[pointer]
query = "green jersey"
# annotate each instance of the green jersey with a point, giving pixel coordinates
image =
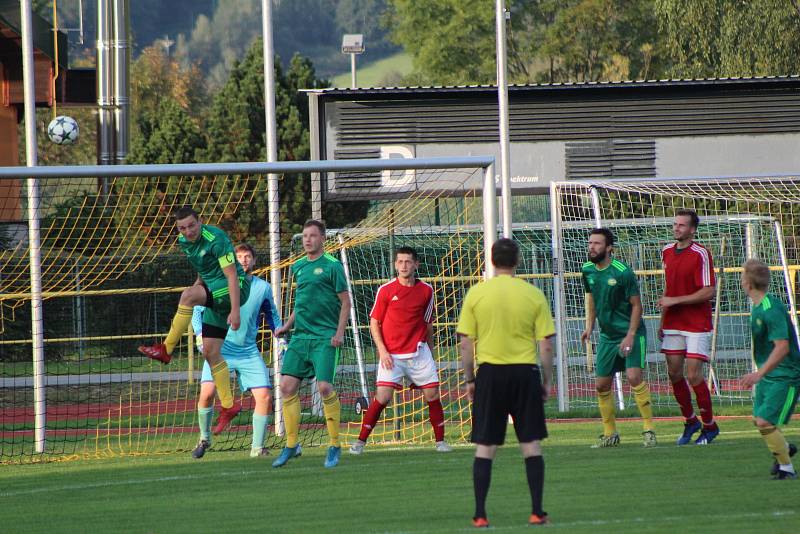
(317, 305)
(208, 254)
(611, 289)
(769, 322)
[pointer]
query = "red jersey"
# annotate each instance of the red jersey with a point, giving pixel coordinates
(687, 271)
(404, 313)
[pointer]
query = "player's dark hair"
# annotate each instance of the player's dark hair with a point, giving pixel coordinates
(691, 214)
(185, 211)
(313, 222)
(406, 250)
(505, 253)
(606, 233)
(757, 273)
(246, 247)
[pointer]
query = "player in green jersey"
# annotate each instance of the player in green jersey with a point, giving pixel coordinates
(321, 310)
(612, 297)
(221, 287)
(777, 358)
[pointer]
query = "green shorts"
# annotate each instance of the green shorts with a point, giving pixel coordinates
(609, 361)
(311, 358)
(218, 307)
(775, 401)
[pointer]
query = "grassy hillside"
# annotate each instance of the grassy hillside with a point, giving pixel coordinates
(384, 72)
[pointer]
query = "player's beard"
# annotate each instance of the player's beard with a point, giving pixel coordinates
(597, 258)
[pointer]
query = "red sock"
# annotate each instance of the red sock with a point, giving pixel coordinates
(684, 397)
(703, 396)
(436, 414)
(371, 419)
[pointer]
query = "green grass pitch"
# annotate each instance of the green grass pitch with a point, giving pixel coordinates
(724, 487)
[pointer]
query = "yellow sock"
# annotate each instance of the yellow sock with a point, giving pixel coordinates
(642, 395)
(776, 443)
(222, 381)
(606, 402)
(180, 324)
(333, 415)
(291, 419)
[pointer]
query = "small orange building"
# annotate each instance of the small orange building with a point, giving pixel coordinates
(81, 89)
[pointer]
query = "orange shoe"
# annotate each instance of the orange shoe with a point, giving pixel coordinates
(226, 415)
(538, 519)
(480, 522)
(156, 352)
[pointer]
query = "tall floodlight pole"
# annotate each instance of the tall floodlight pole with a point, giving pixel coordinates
(502, 98)
(272, 189)
(32, 160)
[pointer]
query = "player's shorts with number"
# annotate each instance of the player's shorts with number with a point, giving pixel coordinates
(311, 358)
(609, 360)
(696, 345)
(251, 371)
(775, 401)
(419, 368)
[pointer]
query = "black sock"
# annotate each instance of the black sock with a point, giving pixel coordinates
(481, 478)
(534, 468)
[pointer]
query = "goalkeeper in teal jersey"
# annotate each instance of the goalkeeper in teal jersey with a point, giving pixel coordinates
(612, 297)
(244, 360)
(221, 287)
(777, 358)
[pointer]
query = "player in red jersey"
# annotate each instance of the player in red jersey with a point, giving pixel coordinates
(402, 329)
(686, 324)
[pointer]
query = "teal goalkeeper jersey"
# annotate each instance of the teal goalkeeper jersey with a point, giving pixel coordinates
(208, 254)
(317, 304)
(769, 322)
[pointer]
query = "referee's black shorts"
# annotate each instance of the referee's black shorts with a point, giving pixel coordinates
(503, 390)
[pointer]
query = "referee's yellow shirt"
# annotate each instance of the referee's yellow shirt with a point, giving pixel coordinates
(505, 316)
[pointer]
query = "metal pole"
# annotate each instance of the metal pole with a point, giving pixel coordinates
(598, 222)
(105, 118)
(558, 268)
(787, 279)
(353, 84)
(32, 159)
(353, 319)
(272, 190)
(489, 220)
(121, 75)
(396, 402)
(502, 98)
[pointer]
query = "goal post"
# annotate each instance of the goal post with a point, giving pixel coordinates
(740, 218)
(111, 278)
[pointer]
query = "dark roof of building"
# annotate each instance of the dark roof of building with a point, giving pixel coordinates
(694, 84)
(42, 31)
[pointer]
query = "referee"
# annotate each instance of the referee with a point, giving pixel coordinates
(501, 322)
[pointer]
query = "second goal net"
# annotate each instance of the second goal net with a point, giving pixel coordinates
(740, 218)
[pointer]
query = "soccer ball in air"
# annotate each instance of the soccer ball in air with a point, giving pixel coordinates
(63, 130)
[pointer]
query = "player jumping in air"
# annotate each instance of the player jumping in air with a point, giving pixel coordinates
(221, 287)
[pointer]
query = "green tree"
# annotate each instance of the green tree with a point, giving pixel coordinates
(454, 41)
(718, 38)
(236, 132)
(167, 134)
